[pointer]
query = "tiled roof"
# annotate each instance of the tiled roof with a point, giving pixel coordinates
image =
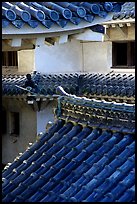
(78, 109)
(51, 13)
(74, 162)
(127, 11)
(46, 83)
(113, 86)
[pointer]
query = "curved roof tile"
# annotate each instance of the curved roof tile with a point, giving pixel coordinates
(127, 11)
(93, 85)
(78, 160)
(50, 13)
(73, 163)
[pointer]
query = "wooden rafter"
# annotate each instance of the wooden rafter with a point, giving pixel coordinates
(123, 30)
(107, 34)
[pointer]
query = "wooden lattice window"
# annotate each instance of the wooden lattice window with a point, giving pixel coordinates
(10, 58)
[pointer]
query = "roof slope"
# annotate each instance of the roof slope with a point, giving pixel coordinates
(127, 12)
(113, 86)
(74, 162)
(50, 14)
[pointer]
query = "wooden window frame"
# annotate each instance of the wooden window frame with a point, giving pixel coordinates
(14, 124)
(9, 59)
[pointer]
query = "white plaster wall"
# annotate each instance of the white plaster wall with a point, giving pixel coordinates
(97, 56)
(59, 58)
(44, 116)
(12, 146)
(26, 61)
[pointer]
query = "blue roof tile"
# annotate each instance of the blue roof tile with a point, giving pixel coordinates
(128, 196)
(74, 163)
(119, 189)
(110, 86)
(18, 23)
(35, 13)
(86, 175)
(127, 11)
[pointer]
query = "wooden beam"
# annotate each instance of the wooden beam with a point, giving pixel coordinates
(30, 102)
(123, 30)
(120, 25)
(128, 24)
(6, 42)
(49, 41)
(119, 21)
(107, 34)
(37, 99)
(107, 26)
(113, 25)
(29, 42)
(8, 45)
(35, 106)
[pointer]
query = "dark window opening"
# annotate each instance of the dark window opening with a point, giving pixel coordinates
(4, 121)
(9, 58)
(123, 54)
(3, 166)
(131, 54)
(15, 123)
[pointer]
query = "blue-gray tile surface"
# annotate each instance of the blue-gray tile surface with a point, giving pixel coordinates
(73, 163)
(88, 154)
(89, 85)
(49, 14)
(127, 12)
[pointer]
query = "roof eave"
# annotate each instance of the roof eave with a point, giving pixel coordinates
(131, 20)
(11, 30)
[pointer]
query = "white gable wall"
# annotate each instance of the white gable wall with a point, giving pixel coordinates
(44, 116)
(59, 58)
(73, 56)
(97, 56)
(13, 145)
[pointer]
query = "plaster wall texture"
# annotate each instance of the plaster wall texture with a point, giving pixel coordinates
(60, 58)
(26, 61)
(44, 116)
(97, 56)
(11, 145)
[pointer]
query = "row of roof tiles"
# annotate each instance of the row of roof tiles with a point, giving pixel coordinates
(72, 163)
(114, 116)
(90, 85)
(78, 109)
(51, 13)
(127, 11)
(112, 85)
